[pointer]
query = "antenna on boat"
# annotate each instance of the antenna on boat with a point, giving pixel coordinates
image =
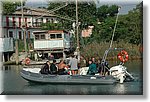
(106, 52)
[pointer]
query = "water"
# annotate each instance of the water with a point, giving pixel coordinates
(13, 83)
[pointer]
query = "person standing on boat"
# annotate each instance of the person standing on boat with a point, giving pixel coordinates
(99, 67)
(73, 63)
(53, 67)
(45, 68)
(61, 68)
(92, 68)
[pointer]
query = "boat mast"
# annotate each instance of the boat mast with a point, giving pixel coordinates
(114, 29)
(106, 52)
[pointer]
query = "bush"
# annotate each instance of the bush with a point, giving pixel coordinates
(97, 50)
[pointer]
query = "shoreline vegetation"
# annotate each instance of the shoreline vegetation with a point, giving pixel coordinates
(97, 50)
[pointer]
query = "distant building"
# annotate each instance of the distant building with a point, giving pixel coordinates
(87, 32)
(33, 18)
(12, 27)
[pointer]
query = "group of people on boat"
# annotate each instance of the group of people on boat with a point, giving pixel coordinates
(102, 68)
(62, 68)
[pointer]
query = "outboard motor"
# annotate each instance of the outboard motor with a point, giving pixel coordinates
(120, 72)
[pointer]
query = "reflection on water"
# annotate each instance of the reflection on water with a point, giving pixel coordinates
(14, 84)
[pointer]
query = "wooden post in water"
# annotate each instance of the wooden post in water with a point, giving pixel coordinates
(16, 51)
(23, 29)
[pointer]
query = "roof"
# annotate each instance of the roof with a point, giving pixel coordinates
(55, 31)
(40, 31)
(49, 31)
(32, 11)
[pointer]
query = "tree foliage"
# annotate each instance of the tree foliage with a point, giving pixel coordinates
(129, 26)
(10, 6)
(86, 12)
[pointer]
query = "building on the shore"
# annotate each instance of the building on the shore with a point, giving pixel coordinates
(12, 26)
(32, 20)
(51, 44)
(6, 48)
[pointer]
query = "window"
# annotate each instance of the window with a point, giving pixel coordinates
(37, 37)
(59, 35)
(42, 36)
(20, 35)
(52, 36)
(10, 34)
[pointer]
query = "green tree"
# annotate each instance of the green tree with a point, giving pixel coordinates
(129, 26)
(105, 11)
(86, 12)
(52, 26)
(102, 12)
(9, 6)
(113, 10)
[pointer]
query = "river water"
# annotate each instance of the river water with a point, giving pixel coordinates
(13, 83)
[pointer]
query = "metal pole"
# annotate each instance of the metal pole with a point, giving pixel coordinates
(16, 41)
(77, 32)
(16, 45)
(23, 24)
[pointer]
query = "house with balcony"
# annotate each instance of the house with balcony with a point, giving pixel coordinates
(31, 21)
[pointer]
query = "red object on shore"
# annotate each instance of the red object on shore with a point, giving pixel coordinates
(123, 56)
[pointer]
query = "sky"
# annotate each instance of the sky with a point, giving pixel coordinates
(126, 5)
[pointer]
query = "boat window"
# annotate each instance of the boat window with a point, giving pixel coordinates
(59, 35)
(52, 36)
(42, 36)
(37, 37)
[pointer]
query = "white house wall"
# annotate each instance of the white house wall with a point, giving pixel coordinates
(6, 44)
(48, 44)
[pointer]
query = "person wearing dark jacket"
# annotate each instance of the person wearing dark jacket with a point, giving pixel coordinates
(92, 68)
(53, 67)
(45, 68)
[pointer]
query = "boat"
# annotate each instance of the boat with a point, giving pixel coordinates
(116, 73)
(33, 75)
